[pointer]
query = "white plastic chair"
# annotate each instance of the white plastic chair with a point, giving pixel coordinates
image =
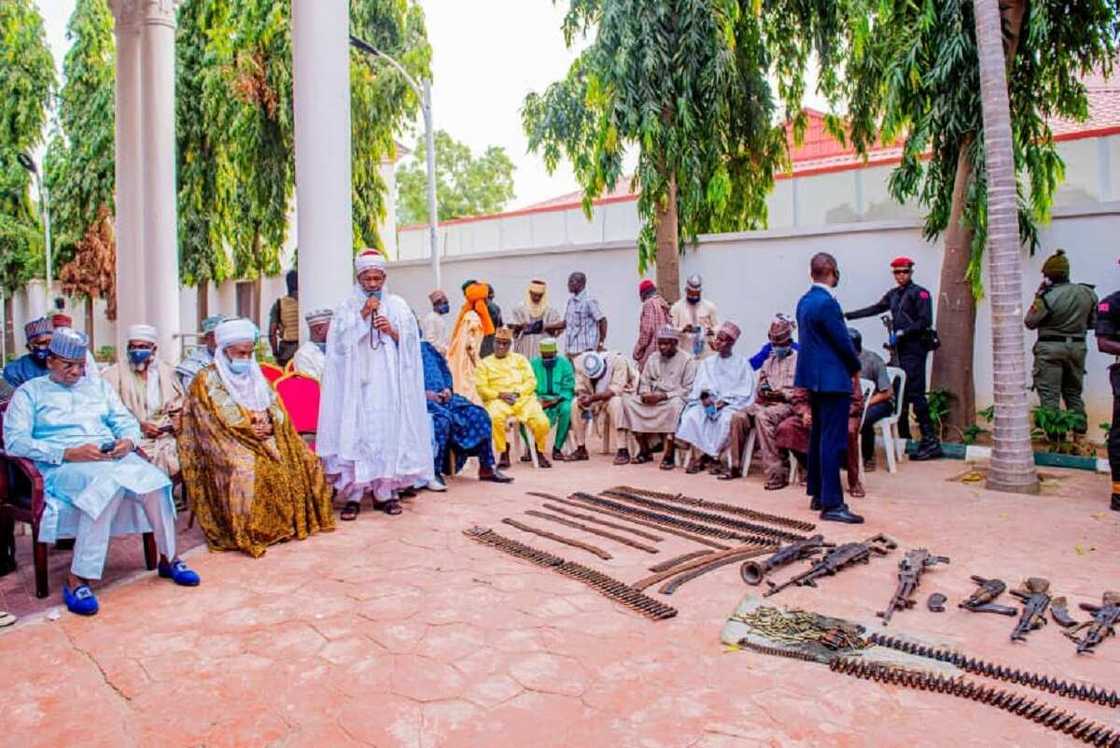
(893, 445)
(513, 436)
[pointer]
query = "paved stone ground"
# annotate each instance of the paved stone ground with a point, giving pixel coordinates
(401, 632)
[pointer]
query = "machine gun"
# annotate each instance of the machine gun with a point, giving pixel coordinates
(892, 350)
(836, 559)
(981, 601)
(1035, 595)
(910, 570)
(753, 571)
(1105, 617)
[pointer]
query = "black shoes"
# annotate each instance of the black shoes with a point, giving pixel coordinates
(841, 514)
(1116, 502)
(928, 449)
(815, 504)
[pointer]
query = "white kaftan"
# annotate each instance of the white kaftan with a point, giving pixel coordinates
(374, 430)
(730, 380)
(309, 360)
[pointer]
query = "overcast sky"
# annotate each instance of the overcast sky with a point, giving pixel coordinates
(479, 85)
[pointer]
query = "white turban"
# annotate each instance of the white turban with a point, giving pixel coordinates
(143, 332)
(369, 259)
(235, 331)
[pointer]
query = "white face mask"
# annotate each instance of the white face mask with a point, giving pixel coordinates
(239, 365)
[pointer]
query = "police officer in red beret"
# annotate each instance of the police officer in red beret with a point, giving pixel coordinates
(913, 337)
(1108, 342)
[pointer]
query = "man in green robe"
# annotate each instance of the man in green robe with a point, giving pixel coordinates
(556, 387)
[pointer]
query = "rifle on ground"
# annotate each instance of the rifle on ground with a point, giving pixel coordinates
(981, 601)
(910, 570)
(1035, 595)
(753, 571)
(836, 559)
(1105, 617)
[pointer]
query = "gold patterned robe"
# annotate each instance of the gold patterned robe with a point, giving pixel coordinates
(247, 493)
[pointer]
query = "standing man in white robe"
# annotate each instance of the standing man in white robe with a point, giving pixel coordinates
(724, 385)
(374, 432)
(311, 357)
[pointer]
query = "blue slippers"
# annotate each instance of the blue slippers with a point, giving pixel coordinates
(81, 601)
(179, 573)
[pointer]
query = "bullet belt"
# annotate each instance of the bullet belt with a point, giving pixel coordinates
(1061, 338)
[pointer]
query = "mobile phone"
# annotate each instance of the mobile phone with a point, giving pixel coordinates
(107, 447)
(166, 429)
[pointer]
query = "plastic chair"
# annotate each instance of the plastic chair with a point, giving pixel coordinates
(893, 445)
(513, 436)
(271, 372)
(299, 395)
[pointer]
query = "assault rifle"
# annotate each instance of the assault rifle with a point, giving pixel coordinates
(1105, 617)
(910, 570)
(836, 559)
(981, 601)
(1036, 599)
(753, 571)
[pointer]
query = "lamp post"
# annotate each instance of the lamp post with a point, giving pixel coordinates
(44, 207)
(424, 92)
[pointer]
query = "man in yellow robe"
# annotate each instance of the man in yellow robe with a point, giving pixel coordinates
(507, 387)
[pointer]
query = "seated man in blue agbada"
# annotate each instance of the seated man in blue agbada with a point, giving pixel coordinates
(457, 423)
(82, 439)
(33, 363)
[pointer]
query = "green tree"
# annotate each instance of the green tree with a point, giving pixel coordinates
(467, 185)
(202, 117)
(381, 102)
(27, 81)
(688, 83)
(80, 167)
(912, 73)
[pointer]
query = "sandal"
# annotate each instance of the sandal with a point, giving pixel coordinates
(641, 459)
(694, 468)
(350, 511)
(622, 458)
(392, 507)
(732, 474)
(857, 492)
(668, 464)
(6, 619)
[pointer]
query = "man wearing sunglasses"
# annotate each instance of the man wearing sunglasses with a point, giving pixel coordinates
(913, 336)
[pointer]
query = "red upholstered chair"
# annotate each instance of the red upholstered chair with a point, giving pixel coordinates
(22, 500)
(271, 372)
(300, 397)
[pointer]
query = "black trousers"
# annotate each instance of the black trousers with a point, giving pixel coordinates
(1114, 429)
(912, 357)
(828, 447)
(875, 413)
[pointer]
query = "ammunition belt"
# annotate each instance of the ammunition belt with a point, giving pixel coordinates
(1048, 715)
(710, 518)
(609, 587)
(792, 654)
(1078, 691)
(664, 519)
(742, 511)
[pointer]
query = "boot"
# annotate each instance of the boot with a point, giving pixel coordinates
(928, 449)
(1116, 502)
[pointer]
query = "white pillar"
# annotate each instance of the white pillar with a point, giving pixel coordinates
(129, 188)
(161, 261)
(321, 88)
(36, 300)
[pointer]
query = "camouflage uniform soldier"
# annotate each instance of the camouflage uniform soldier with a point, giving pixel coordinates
(1062, 313)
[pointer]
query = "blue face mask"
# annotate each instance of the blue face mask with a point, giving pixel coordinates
(322, 346)
(711, 411)
(373, 294)
(40, 354)
(239, 365)
(139, 356)
(781, 351)
(548, 363)
(443, 308)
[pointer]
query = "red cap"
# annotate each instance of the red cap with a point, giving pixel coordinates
(62, 320)
(646, 285)
(902, 262)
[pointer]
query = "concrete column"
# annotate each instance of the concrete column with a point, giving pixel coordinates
(161, 261)
(129, 184)
(321, 88)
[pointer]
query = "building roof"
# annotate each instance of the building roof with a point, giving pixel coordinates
(820, 153)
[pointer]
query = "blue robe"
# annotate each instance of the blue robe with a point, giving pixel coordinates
(457, 424)
(23, 369)
(44, 419)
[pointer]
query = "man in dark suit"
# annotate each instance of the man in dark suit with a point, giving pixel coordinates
(826, 364)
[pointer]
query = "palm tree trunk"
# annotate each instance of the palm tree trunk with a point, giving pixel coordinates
(668, 258)
(1012, 467)
(90, 324)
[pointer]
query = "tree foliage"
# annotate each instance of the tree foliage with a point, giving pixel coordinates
(92, 272)
(688, 83)
(912, 73)
(27, 83)
(202, 120)
(382, 102)
(466, 185)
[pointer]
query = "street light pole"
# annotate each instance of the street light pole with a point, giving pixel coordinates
(424, 92)
(44, 208)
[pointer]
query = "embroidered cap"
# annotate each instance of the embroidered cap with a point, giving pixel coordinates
(593, 364)
(537, 286)
(317, 316)
(59, 319)
(695, 282)
(369, 259)
(731, 330)
(503, 333)
(211, 323)
(667, 333)
(146, 333)
(37, 327)
(548, 345)
(69, 344)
